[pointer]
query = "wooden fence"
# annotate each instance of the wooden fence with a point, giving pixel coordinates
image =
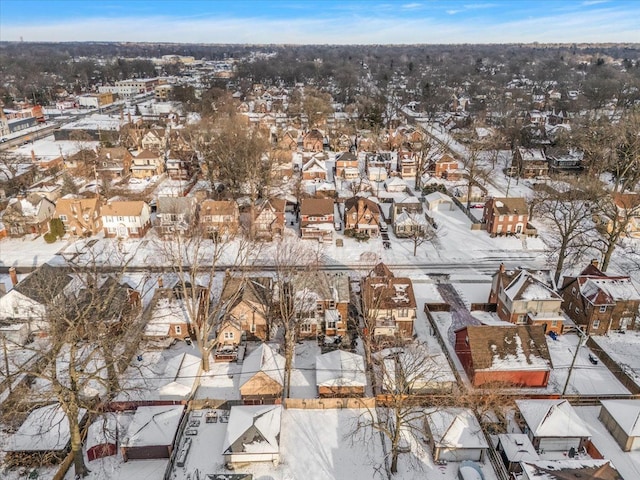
(329, 403)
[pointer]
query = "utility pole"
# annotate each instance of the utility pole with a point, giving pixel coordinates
(6, 363)
(573, 361)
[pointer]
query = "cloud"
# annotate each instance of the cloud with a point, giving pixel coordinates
(411, 6)
(364, 27)
(588, 3)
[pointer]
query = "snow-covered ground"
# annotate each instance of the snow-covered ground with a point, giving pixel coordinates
(624, 349)
(627, 463)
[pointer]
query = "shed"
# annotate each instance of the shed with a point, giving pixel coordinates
(438, 201)
(553, 425)
(102, 437)
(253, 434)
(261, 379)
(180, 374)
(515, 448)
(456, 435)
(340, 374)
(622, 419)
(44, 432)
(587, 469)
(152, 432)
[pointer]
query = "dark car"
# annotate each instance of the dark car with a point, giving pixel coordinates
(593, 359)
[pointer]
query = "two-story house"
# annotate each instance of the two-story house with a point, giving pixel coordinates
(314, 141)
(249, 308)
(323, 305)
(530, 163)
(28, 215)
(175, 214)
(219, 217)
(524, 299)
(155, 140)
(126, 219)
(362, 216)
(268, 221)
(505, 215)
(317, 219)
(80, 216)
(181, 164)
(114, 162)
(347, 166)
(390, 302)
(82, 163)
(599, 302)
(314, 169)
(407, 165)
(147, 164)
(442, 166)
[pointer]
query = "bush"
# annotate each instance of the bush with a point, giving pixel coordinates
(49, 237)
(56, 230)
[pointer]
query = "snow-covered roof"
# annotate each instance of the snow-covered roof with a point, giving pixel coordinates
(517, 447)
(526, 287)
(456, 428)
(545, 469)
(102, 431)
(552, 418)
(340, 369)
(626, 413)
(437, 196)
(180, 373)
(263, 359)
(153, 426)
(263, 420)
(45, 429)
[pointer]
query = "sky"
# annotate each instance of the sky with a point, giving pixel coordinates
(322, 21)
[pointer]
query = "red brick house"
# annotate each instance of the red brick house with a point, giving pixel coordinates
(347, 166)
(504, 355)
(323, 306)
(362, 215)
(599, 302)
(313, 141)
(314, 169)
(530, 163)
(505, 215)
(317, 218)
(524, 299)
(445, 164)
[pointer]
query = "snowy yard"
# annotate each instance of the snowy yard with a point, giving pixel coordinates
(586, 378)
(623, 348)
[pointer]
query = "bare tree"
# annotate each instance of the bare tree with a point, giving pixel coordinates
(91, 324)
(295, 264)
(401, 373)
(569, 215)
(196, 261)
(613, 214)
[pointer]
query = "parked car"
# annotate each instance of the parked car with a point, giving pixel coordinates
(593, 359)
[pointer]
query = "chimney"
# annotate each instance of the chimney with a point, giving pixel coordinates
(595, 263)
(502, 268)
(160, 282)
(13, 275)
(33, 156)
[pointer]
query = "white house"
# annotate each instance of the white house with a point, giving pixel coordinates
(126, 219)
(456, 435)
(438, 201)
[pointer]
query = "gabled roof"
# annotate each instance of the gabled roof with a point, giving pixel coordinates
(218, 207)
(524, 286)
(316, 206)
(44, 284)
(508, 347)
(598, 288)
(124, 208)
(552, 418)
(260, 423)
(175, 205)
(456, 428)
(340, 368)
(510, 206)
(388, 293)
(570, 469)
(315, 165)
(266, 360)
(153, 426)
(346, 157)
(147, 154)
(626, 413)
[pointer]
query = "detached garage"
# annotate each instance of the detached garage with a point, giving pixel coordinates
(456, 435)
(622, 419)
(553, 425)
(438, 201)
(151, 432)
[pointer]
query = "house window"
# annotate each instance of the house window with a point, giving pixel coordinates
(133, 229)
(603, 308)
(228, 335)
(403, 312)
(305, 328)
(178, 329)
(332, 304)
(595, 324)
(331, 325)
(63, 218)
(121, 219)
(520, 320)
(554, 323)
(319, 307)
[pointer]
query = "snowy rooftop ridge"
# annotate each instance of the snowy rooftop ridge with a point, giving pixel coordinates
(552, 418)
